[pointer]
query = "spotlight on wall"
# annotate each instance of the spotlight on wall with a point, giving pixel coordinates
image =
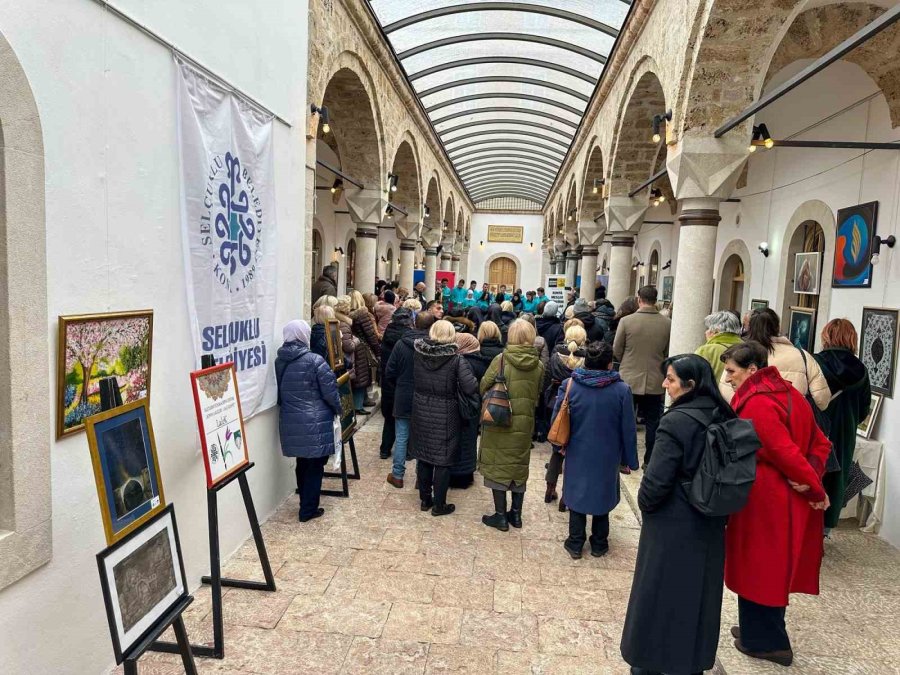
(597, 183)
(657, 196)
(764, 248)
(323, 116)
(337, 185)
(339, 249)
(636, 265)
(427, 212)
(761, 135)
(667, 265)
(383, 259)
(392, 181)
(481, 243)
(390, 211)
(657, 124)
(890, 242)
(531, 244)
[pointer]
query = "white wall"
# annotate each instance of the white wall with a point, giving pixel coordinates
(527, 256)
(106, 97)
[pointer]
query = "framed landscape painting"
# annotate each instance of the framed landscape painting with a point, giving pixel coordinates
(142, 578)
(878, 348)
(866, 427)
(220, 422)
(96, 346)
(803, 328)
(126, 470)
(756, 304)
(853, 248)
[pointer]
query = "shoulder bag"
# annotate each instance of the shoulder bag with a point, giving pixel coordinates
(561, 429)
(496, 410)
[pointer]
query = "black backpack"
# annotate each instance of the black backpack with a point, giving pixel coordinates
(727, 469)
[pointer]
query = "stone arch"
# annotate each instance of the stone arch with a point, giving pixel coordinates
(406, 166)
(431, 224)
(447, 220)
(592, 173)
(736, 248)
(654, 255)
(818, 212)
(570, 222)
(497, 256)
(25, 495)
(318, 250)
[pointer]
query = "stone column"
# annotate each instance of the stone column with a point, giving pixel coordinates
(546, 263)
(454, 266)
(588, 272)
(692, 296)
(446, 261)
(430, 272)
(620, 268)
(571, 268)
(464, 263)
(407, 263)
(366, 211)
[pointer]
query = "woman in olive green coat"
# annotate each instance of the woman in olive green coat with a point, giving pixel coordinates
(506, 451)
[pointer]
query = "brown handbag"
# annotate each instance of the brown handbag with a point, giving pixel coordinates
(496, 410)
(561, 428)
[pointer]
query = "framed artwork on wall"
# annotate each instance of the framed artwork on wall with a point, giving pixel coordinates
(878, 348)
(803, 328)
(867, 425)
(126, 470)
(220, 422)
(756, 304)
(853, 248)
(668, 284)
(94, 346)
(142, 577)
(807, 273)
(333, 342)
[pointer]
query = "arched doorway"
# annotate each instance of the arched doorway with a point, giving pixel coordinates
(503, 271)
(731, 295)
(317, 265)
(389, 265)
(653, 278)
(350, 264)
(635, 278)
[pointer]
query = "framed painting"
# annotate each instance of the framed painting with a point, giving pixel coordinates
(126, 469)
(96, 346)
(220, 422)
(878, 348)
(866, 427)
(348, 410)
(142, 577)
(853, 247)
(807, 273)
(668, 284)
(803, 328)
(334, 344)
(756, 304)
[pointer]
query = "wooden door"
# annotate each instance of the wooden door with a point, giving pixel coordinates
(503, 271)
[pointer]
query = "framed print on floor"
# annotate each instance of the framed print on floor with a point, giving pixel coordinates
(126, 469)
(142, 577)
(94, 346)
(867, 425)
(853, 248)
(803, 328)
(807, 273)
(220, 422)
(878, 348)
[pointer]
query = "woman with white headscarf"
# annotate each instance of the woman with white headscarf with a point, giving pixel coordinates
(309, 400)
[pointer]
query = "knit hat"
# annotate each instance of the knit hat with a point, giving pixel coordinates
(297, 331)
(550, 309)
(581, 305)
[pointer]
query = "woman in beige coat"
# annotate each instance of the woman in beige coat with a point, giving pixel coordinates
(795, 365)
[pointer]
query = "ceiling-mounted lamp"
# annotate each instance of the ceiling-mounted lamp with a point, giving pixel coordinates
(323, 117)
(890, 242)
(337, 185)
(762, 136)
(657, 124)
(392, 182)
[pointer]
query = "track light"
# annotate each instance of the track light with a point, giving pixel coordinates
(657, 196)
(657, 124)
(597, 183)
(876, 248)
(667, 265)
(337, 185)
(761, 134)
(383, 259)
(323, 115)
(392, 182)
(764, 248)
(390, 211)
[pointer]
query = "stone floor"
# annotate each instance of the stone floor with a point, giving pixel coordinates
(376, 586)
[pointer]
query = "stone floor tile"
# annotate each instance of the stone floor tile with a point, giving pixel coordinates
(456, 563)
(385, 657)
(389, 560)
(396, 539)
(573, 637)
(605, 579)
(504, 570)
(516, 663)
(567, 602)
(309, 579)
(460, 660)
(329, 614)
(277, 651)
(507, 597)
(257, 609)
(515, 632)
(397, 586)
(359, 537)
(423, 623)
(465, 592)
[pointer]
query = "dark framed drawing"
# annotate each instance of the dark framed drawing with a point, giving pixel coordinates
(348, 410)
(853, 247)
(866, 427)
(803, 328)
(142, 577)
(807, 273)
(756, 304)
(95, 346)
(126, 469)
(878, 348)
(668, 285)
(334, 344)
(220, 422)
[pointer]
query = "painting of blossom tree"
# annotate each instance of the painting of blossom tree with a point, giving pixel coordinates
(97, 346)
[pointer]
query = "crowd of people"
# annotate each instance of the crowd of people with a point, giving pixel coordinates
(606, 370)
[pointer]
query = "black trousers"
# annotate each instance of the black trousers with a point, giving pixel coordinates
(599, 532)
(554, 467)
(436, 478)
(650, 407)
(762, 628)
(389, 431)
(309, 483)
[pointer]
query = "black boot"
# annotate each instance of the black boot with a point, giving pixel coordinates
(498, 520)
(514, 515)
(550, 494)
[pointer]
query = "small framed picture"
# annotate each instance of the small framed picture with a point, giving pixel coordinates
(126, 469)
(348, 410)
(668, 286)
(334, 344)
(220, 422)
(756, 304)
(867, 425)
(803, 328)
(142, 577)
(807, 273)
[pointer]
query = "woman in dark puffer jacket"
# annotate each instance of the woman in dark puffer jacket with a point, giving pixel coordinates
(309, 400)
(401, 323)
(318, 344)
(434, 435)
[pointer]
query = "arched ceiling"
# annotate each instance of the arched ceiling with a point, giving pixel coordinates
(505, 83)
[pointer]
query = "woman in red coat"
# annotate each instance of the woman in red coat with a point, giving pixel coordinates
(773, 546)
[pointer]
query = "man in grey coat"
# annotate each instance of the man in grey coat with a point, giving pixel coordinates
(326, 284)
(641, 345)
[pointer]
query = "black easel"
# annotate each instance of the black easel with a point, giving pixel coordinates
(342, 474)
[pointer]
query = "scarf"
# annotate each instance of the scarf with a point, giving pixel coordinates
(296, 331)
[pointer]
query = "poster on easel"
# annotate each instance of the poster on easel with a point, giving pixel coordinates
(555, 288)
(220, 422)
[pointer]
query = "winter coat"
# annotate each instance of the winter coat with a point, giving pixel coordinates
(309, 400)
(540, 344)
(550, 329)
(400, 375)
(392, 335)
(713, 349)
(317, 342)
(506, 451)
(529, 306)
(672, 623)
(506, 319)
(435, 424)
(774, 544)
(641, 345)
(368, 349)
(593, 328)
(598, 400)
(849, 384)
(324, 285)
(603, 317)
(349, 343)
(788, 359)
(383, 313)
(484, 299)
(481, 360)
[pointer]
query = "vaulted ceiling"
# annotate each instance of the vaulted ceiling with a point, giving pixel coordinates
(505, 84)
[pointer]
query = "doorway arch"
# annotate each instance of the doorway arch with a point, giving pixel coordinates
(731, 294)
(503, 268)
(350, 270)
(316, 266)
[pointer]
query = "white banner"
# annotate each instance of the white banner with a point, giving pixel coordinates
(228, 228)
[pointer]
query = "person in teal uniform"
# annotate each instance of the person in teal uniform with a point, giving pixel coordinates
(530, 303)
(541, 296)
(458, 294)
(443, 294)
(485, 299)
(470, 299)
